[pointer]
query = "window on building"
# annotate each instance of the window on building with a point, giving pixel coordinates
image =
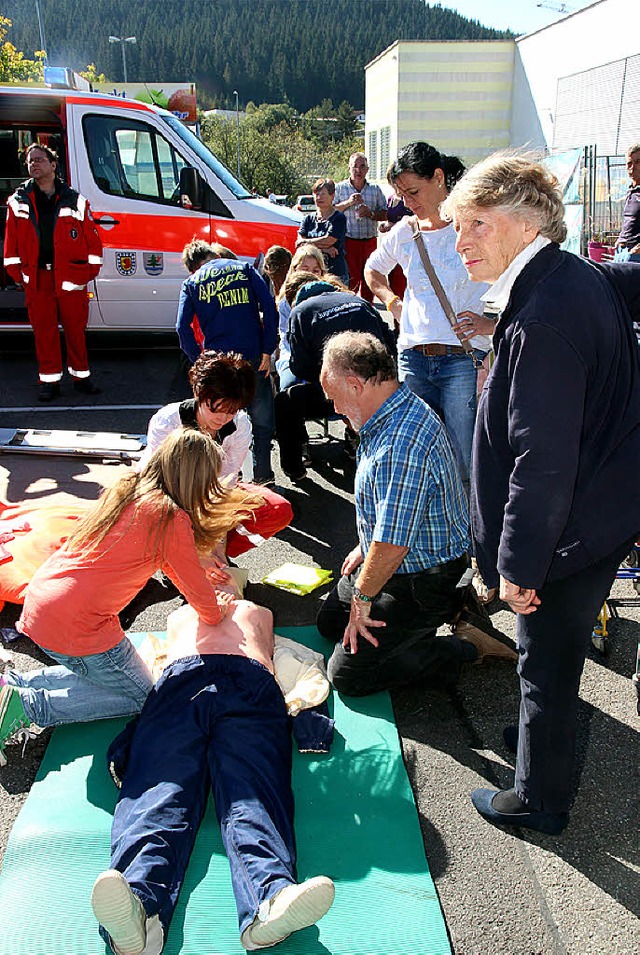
(372, 154)
(385, 150)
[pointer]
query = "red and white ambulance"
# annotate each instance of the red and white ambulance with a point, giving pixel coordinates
(152, 185)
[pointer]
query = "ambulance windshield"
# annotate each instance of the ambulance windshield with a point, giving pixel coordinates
(220, 170)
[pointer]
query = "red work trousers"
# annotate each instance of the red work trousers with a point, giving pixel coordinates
(274, 515)
(357, 252)
(46, 309)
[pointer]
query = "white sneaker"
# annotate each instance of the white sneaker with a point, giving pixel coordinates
(291, 909)
(120, 912)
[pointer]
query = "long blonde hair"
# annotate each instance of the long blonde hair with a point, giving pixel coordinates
(181, 474)
(306, 251)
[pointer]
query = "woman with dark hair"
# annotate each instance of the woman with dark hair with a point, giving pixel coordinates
(431, 358)
(223, 386)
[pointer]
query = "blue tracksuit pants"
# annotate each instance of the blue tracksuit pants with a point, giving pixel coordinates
(216, 721)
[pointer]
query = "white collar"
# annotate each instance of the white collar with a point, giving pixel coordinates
(499, 293)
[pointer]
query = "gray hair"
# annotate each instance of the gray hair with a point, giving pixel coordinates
(633, 149)
(360, 354)
(514, 183)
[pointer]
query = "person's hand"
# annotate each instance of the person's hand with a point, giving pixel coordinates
(265, 364)
(363, 211)
(521, 599)
(635, 250)
(225, 602)
(359, 624)
(384, 226)
(331, 251)
(215, 570)
(356, 199)
(469, 324)
(351, 561)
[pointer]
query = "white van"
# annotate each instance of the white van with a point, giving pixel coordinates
(135, 163)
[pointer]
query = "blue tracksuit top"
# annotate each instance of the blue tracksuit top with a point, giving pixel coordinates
(227, 298)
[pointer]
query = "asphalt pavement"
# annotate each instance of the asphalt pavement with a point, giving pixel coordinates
(501, 892)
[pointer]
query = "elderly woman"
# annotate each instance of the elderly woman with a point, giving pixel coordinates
(431, 358)
(326, 229)
(554, 497)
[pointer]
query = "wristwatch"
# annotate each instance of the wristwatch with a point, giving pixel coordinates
(357, 593)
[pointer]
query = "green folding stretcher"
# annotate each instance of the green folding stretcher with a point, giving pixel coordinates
(356, 821)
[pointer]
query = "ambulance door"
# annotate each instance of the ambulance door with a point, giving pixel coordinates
(130, 173)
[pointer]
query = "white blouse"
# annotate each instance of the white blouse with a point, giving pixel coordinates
(423, 320)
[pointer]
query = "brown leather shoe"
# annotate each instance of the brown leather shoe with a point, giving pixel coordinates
(486, 645)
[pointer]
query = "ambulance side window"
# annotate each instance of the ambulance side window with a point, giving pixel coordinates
(130, 158)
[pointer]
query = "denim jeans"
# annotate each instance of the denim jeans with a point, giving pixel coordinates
(212, 721)
(262, 421)
(448, 384)
(623, 255)
(95, 687)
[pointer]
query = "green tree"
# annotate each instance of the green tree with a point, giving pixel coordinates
(14, 66)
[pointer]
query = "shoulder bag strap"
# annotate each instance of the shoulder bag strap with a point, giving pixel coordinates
(437, 285)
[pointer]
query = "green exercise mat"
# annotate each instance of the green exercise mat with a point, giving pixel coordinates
(356, 821)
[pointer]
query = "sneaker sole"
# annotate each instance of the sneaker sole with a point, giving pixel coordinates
(113, 905)
(306, 905)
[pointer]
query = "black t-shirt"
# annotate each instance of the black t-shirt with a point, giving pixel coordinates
(630, 232)
(46, 209)
(335, 226)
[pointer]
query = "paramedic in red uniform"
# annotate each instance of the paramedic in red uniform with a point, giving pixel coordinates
(52, 249)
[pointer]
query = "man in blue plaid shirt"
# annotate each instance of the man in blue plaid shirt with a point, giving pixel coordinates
(410, 572)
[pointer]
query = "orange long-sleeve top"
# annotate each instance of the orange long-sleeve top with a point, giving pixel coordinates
(72, 603)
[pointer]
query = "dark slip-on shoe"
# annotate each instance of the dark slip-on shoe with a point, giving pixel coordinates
(510, 811)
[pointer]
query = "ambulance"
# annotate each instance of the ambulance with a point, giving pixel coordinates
(152, 185)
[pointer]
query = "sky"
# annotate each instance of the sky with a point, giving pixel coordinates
(521, 16)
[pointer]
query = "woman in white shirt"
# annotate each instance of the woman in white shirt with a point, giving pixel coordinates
(431, 359)
(223, 386)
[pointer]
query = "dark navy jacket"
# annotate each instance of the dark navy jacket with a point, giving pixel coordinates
(557, 440)
(227, 298)
(315, 320)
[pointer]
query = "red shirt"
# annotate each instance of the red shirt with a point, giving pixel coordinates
(72, 603)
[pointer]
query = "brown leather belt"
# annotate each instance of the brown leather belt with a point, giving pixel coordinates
(435, 349)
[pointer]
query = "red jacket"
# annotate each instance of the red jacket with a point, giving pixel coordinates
(76, 243)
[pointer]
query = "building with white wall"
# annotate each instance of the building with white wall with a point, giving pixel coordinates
(574, 83)
(456, 95)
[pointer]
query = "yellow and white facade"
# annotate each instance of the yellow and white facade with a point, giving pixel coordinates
(455, 95)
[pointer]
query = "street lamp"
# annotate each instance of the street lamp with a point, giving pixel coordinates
(123, 40)
(235, 93)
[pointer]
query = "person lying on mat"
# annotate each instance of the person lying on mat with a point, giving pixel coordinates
(216, 718)
(223, 387)
(162, 517)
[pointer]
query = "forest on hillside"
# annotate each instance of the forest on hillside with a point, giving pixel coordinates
(270, 51)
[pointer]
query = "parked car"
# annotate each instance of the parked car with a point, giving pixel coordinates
(152, 186)
(305, 204)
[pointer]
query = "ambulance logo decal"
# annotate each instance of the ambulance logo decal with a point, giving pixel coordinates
(126, 263)
(153, 262)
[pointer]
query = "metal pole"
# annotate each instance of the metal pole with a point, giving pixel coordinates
(43, 44)
(235, 92)
(124, 59)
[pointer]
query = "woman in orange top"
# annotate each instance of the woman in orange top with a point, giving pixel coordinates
(163, 517)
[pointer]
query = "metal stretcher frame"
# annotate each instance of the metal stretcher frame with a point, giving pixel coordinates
(104, 445)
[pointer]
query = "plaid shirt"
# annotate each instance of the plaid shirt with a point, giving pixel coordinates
(373, 197)
(407, 489)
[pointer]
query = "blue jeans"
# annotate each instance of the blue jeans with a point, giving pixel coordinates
(623, 255)
(215, 721)
(262, 421)
(95, 687)
(448, 384)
